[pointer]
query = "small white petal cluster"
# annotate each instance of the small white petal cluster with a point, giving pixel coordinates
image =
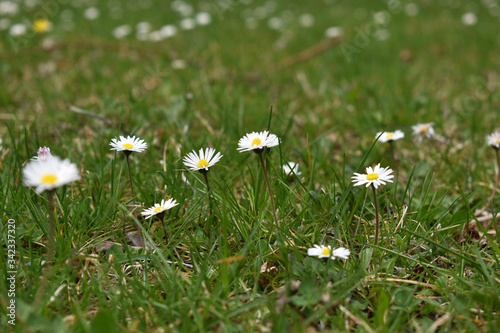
(43, 153)
(159, 208)
(203, 160)
(493, 140)
(49, 174)
(257, 141)
(390, 136)
(128, 144)
(322, 251)
(423, 131)
(291, 169)
(374, 176)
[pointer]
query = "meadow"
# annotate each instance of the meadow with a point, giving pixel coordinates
(324, 76)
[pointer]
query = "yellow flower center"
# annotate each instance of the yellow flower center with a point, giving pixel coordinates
(389, 135)
(497, 140)
(372, 176)
(158, 209)
(203, 163)
(127, 146)
(325, 251)
(424, 129)
(41, 25)
(256, 142)
(49, 179)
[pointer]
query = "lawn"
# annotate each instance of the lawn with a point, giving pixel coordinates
(325, 77)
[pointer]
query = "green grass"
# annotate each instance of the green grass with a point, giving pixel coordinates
(422, 277)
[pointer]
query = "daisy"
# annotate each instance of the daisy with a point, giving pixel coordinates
(493, 140)
(202, 161)
(257, 141)
(159, 208)
(291, 169)
(421, 131)
(49, 174)
(374, 176)
(42, 154)
(322, 251)
(128, 144)
(390, 136)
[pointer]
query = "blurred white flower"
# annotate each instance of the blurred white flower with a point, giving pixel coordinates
(203, 18)
(49, 174)
(306, 20)
(155, 36)
(91, 13)
(382, 34)
(390, 136)
(143, 27)
(122, 31)
(179, 64)
(334, 32)
(17, 29)
(322, 251)
(469, 18)
(291, 169)
(423, 131)
(168, 30)
(187, 23)
(275, 23)
(8, 8)
(412, 9)
(493, 140)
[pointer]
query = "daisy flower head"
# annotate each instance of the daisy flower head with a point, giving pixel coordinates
(49, 174)
(389, 136)
(423, 131)
(203, 160)
(43, 153)
(493, 140)
(291, 169)
(374, 176)
(128, 144)
(257, 141)
(322, 251)
(159, 208)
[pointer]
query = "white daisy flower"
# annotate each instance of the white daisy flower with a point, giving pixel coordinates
(390, 136)
(494, 140)
(203, 160)
(291, 168)
(159, 208)
(49, 174)
(128, 144)
(374, 176)
(43, 154)
(421, 131)
(322, 251)
(257, 141)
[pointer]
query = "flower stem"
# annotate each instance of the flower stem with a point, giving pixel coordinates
(376, 213)
(130, 174)
(497, 181)
(269, 188)
(50, 247)
(208, 190)
(162, 218)
(393, 154)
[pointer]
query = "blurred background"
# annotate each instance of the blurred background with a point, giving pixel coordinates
(388, 63)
